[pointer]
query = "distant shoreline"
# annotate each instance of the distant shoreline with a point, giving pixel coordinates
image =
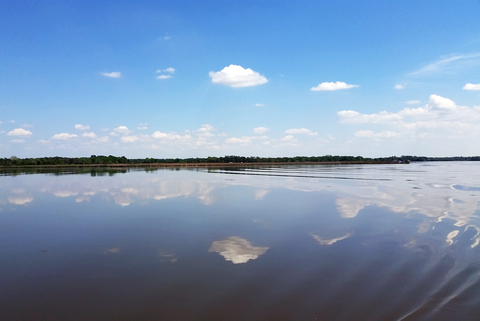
(192, 165)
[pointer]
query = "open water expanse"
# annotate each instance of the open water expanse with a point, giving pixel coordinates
(352, 242)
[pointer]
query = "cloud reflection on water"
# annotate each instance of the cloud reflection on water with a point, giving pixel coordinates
(237, 250)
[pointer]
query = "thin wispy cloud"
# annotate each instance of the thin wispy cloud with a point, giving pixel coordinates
(114, 74)
(412, 102)
(260, 105)
(450, 64)
(399, 86)
(164, 77)
(332, 86)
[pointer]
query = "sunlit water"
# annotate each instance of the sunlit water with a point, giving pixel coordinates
(369, 242)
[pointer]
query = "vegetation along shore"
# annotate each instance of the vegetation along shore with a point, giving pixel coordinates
(100, 161)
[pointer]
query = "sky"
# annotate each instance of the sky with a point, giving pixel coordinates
(276, 78)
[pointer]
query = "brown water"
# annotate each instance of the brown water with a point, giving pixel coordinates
(386, 242)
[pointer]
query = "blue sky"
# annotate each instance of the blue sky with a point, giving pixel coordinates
(254, 78)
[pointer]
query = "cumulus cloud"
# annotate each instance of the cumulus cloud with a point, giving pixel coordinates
(114, 74)
(170, 136)
(354, 117)
(129, 139)
(331, 86)
(440, 116)
(19, 132)
(471, 87)
(205, 130)
(399, 86)
(260, 130)
(81, 127)
(120, 130)
(89, 135)
(169, 70)
(305, 131)
(236, 140)
(237, 76)
(63, 136)
(164, 76)
(103, 139)
(412, 102)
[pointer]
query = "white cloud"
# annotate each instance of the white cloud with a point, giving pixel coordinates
(81, 127)
(120, 130)
(412, 102)
(236, 140)
(114, 74)
(260, 105)
(89, 135)
(11, 121)
(471, 87)
(260, 130)
(438, 118)
(25, 125)
(354, 117)
(17, 141)
(142, 126)
(289, 140)
(129, 139)
(19, 132)
(441, 102)
(170, 136)
(159, 135)
(399, 86)
(103, 139)
(371, 134)
(330, 86)
(63, 136)
(205, 130)
(169, 70)
(237, 76)
(305, 131)
(164, 77)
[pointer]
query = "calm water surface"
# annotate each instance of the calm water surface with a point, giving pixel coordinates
(372, 242)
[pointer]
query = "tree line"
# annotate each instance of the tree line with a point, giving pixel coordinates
(106, 160)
